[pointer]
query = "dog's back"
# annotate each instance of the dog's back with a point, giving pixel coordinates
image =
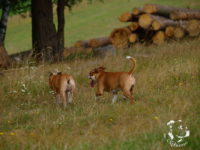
(62, 82)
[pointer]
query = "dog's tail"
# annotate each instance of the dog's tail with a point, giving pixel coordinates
(134, 64)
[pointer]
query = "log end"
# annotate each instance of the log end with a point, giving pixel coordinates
(145, 21)
(125, 17)
(120, 37)
(133, 38)
(159, 38)
(169, 31)
(149, 8)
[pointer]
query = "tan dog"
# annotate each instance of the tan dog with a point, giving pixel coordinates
(113, 81)
(64, 87)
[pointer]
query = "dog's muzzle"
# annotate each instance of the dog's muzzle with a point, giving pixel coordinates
(93, 81)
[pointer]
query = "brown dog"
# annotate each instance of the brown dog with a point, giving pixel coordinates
(63, 86)
(113, 81)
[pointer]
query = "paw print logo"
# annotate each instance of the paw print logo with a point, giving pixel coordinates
(177, 134)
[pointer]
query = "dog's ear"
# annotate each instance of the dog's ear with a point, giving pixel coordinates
(50, 73)
(101, 68)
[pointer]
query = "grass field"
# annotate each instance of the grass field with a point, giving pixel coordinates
(84, 22)
(167, 88)
(168, 84)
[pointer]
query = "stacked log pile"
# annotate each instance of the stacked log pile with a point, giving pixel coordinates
(156, 24)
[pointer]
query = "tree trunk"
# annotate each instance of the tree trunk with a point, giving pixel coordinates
(44, 36)
(4, 58)
(61, 24)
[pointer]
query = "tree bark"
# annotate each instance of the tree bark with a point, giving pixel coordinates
(161, 10)
(61, 24)
(185, 15)
(4, 58)
(44, 36)
(162, 23)
(99, 42)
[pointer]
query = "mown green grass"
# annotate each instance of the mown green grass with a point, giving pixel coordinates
(84, 22)
(167, 88)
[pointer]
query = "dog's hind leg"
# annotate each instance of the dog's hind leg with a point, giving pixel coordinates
(70, 97)
(114, 99)
(127, 93)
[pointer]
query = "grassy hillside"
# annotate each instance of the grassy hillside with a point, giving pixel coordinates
(84, 22)
(167, 88)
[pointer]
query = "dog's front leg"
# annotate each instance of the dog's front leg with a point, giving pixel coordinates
(97, 97)
(64, 98)
(58, 100)
(70, 97)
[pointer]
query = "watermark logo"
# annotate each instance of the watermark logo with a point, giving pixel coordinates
(177, 135)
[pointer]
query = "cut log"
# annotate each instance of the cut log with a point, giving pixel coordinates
(134, 26)
(73, 50)
(133, 38)
(137, 11)
(128, 16)
(159, 37)
(161, 10)
(179, 32)
(185, 15)
(98, 42)
(162, 23)
(82, 44)
(169, 31)
(103, 51)
(193, 28)
(120, 37)
(146, 20)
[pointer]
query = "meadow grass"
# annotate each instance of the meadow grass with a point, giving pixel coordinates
(167, 88)
(85, 21)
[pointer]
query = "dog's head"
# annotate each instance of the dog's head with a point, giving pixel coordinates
(93, 75)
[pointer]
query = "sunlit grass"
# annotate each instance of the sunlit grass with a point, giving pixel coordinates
(167, 88)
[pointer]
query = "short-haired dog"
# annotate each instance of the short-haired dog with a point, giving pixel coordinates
(113, 81)
(63, 86)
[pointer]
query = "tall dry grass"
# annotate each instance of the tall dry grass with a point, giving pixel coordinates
(167, 88)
